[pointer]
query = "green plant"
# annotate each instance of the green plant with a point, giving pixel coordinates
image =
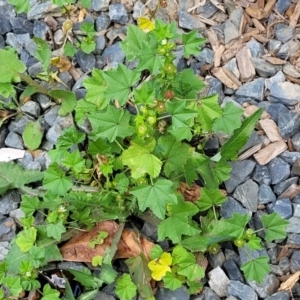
(133, 159)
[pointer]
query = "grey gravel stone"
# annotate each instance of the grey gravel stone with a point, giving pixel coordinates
(253, 140)
(9, 201)
(283, 32)
(100, 5)
(241, 291)
(86, 61)
(231, 32)
(21, 25)
(17, 214)
(233, 271)
(218, 281)
(231, 206)
(32, 108)
(290, 157)
(281, 186)
(265, 194)
(247, 194)
(102, 22)
(288, 49)
(51, 115)
(215, 87)
(282, 5)
(18, 125)
(288, 122)
(231, 66)
(278, 77)
(216, 260)
(293, 239)
(295, 261)
(102, 296)
(34, 165)
(279, 296)
(13, 140)
(261, 175)
(166, 294)
(236, 16)
(207, 10)
(245, 253)
(206, 294)
(113, 54)
(253, 89)
(274, 45)
(283, 207)
(293, 226)
(38, 10)
(241, 171)
(118, 13)
(7, 229)
(186, 21)
(296, 207)
(268, 287)
(256, 48)
(279, 170)
(206, 55)
(12, 40)
(43, 100)
(296, 141)
(5, 25)
(40, 29)
(284, 264)
(264, 68)
(289, 69)
(35, 69)
(100, 44)
(54, 133)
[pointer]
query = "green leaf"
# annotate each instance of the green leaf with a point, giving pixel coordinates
(88, 28)
(50, 294)
(26, 239)
(174, 153)
(29, 205)
(55, 180)
(96, 87)
(10, 66)
(171, 282)
(190, 172)
(86, 3)
(165, 31)
(56, 230)
(33, 135)
(21, 6)
(210, 198)
(141, 161)
(144, 95)
(275, 227)
(156, 252)
(111, 123)
(85, 278)
(235, 226)
(14, 176)
(3, 267)
(230, 120)
(119, 82)
(82, 111)
(7, 90)
(98, 147)
(254, 242)
(156, 197)
(67, 100)
(221, 171)
(240, 136)
(125, 288)
(122, 182)
(209, 110)
(178, 223)
(14, 284)
(88, 46)
(69, 50)
(70, 137)
(74, 161)
(256, 269)
(192, 43)
(43, 52)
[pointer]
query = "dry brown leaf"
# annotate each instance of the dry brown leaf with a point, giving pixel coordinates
(290, 282)
(62, 63)
(286, 251)
(192, 193)
(130, 245)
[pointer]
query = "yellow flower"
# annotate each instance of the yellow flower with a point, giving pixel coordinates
(159, 267)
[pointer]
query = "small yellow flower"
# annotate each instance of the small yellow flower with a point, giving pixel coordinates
(159, 267)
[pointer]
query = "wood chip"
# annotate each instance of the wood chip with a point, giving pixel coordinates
(254, 12)
(291, 192)
(245, 65)
(207, 21)
(292, 79)
(258, 25)
(230, 52)
(231, 76)
(218, 5)
(250, 152)
(218, 56)
(213, 39)
(268, 8)
(290, 282)
(260, 38)
(220, 74)
(250, 109)
(274, 60)
(266, 154)
(295, 16)
(290, 10)
(286, 251)
(271, 130)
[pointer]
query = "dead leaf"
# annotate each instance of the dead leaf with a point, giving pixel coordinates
(192, 193)
(62, 63)
(130, 245)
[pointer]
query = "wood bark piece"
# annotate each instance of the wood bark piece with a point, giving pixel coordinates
(292, 79)
(250, 109)
(271, 130)
(218, 5)
(268, 8)
(291, 192)
(245, 65)
(258, 25)
(260, 38)
(295, 16)
(274, 60)
(220, 74)
(213, 39)
(218, 56)
(250, 152)
(266, 154)
(231, 76)
(254, 12)
(231, 51)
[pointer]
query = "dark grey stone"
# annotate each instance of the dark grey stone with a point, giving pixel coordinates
(27, 158)
(67, 79)
(86, 61)
(118, 13)
(279, 295)
(18, 125)
(283, 207)
(253, 89)
(166, 294)
(231, 206)
(102, 22)
(100, 44)
(293, 239)
(13, 140)
(2, 42)
(215, 87)
(186, 21)
(100, 5)
(264, 68)
(21, 25)
(284, 265)
(256, 48)
(265, 194)
(80, 93)
(207, 10)
(206, 55)
(289, 69)
(283, 32)
(233, 271)
(241, 171)
(54, 133)
(34, 165)
(288, 123)
(253, 140)
(7, 229)
(64, 122)
(268, 287)
(288, 49)
(231, 31)
(274, 45)
(149, 230)
(12, 40)
(286, 93)
(282, 5)
(279, 170)
(103, 296)
(206, 294)
(40, 29)
(293, 226)
(216, 260)
(9, 201)
(290, 157)
(231, 65)
(35, 69)
(51, 115)
(241, 291)
(38, 10)
(296, 207)
(295, 261)
(32, 108)
(276, 270)
(3, 134)
(5, 25)
(113, 54)
(280, 187)
(278, 77)
(261, 175)
(247, 194)
(43, 100)
(236, 16)
(296, 141)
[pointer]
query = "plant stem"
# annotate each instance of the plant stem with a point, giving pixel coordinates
(120, 145)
